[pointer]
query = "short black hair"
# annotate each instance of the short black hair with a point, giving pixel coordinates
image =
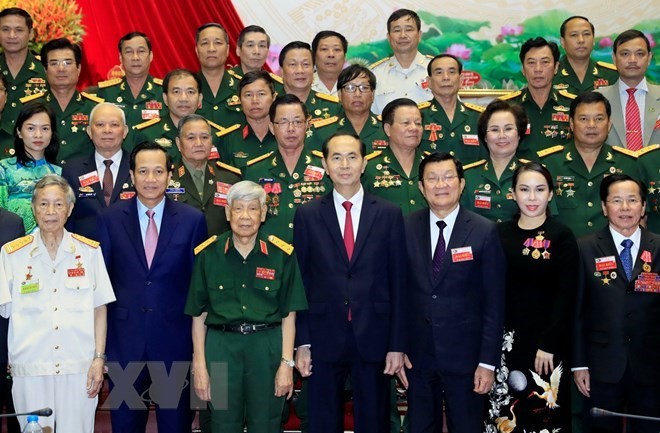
(150, 145)
(180, 72)
(203, 27)
(251, 29)
(401, 13)
(589, 98)
(610, 180)
(131, 35)
(440, 157)
(324, 146)
(353, 71)
(27, 111)
(60, 44)
(286, 99)
(429, 67)
(324, 34)
(252, 76)
(19, 12)
(392, 106)
(498, 105)
(538, 42)
(295, 45)
(562, 29)
(629, 35)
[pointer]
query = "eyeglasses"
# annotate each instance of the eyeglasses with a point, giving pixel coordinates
(284, 124)
(434, 180)
(618, 202)
(63, 62)
(352, 88)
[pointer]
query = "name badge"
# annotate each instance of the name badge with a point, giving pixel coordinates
(75, 272)
(265, 273)
(150, 114)
(482, 201)
(31, 287)
(313, 173)
(605, 263)
(463, 254)
(89, 178)
(470, 140)
(214, 153)
(126, 195)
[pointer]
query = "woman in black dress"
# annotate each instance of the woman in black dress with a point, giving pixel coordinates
(532, 388)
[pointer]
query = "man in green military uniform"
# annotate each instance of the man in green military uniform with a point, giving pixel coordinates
(449, 124)
(243, 142)
(546, 109)
(356, 85)
(252, 49)
(578, 72)
(198, 181)
(649, 168)
(393, 173)
(290, 175)
(138, 93)
(6, 137)
(579, 166)
(24, 73)
(244, 321)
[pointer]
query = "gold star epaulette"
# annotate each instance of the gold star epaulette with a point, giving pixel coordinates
(224, 131)
(317, 153)
(374, 154)
(625, 151)
(199, 248)
(260, 158)
(378, 62)
(92, 97)
(424, 105)
(158, 81)
(327, 97)
(325, 122)
(567, 94)
(474, 164)
(109, 83)
(510, 95)
(474, 107)
(26, 99)
(86, 241)
(550, 150)
(647, 149)
(228, 167)
(276, 77)
(234, 74)
(279, 243)
(606, 65)
(147, 124)
(524, 161)
(17, 244)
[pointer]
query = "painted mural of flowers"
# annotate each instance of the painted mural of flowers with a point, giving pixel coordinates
(460, 51)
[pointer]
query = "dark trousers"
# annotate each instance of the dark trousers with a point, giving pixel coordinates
(6, 400)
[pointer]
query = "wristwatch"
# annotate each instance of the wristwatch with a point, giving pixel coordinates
(289, 362)
(100, 355)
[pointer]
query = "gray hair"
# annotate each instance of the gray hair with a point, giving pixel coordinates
(57, 180)
(246, 190)
(190, 118)
(106, 104)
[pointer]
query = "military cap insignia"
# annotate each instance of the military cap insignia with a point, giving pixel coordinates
(86, 241)
(19, 243)
(199, 248)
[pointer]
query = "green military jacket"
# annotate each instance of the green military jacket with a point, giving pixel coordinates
(148, 104)
(219, 177)
(458, 137)
(322, 106)
(385, 178)
(237, 72)
(285, 192)
(548, 126)
(599, 74)
(649, 167)
(372, 134)
(224, 108)
(31, 80)
(238, 144)
(262, 288)
(577, 190)
(6, 144)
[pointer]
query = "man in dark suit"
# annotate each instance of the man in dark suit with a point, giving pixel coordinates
(148, 245)
(456, 288)
(11, 227)
(355, 289)
(101, 179)
(617, 331)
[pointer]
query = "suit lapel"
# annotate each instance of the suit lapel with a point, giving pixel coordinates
(329, 217)
(132, 225)
(209, 187)
(651, 101)
(424, 230)
(367, 218)
(617, 113)
(90, 166)
(122, 175)
(462, 228)
(168, 226)
(646, 244)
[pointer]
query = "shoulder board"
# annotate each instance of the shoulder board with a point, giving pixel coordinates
(625, 151)
(224, 131)
(199, 248)
(109, 83)
(372, 155)
(317, 153)
(428, 56)
(158, 81)
(325, 122)
(373, 65)
(234, 74)
(328, 97)
(215, 125)
(524, 161)
(567, 94)
(474, 107)
(276, 78)
(474, 164)
(260, 158)
(19, 243)
(424, 105)
(510, 95)
(380, 118)
(607, 65)
(426, 153)
(92, 97)
(26, 99)
(228, 167)
(647, 149)
(550, 151)
(279, 243)
(147, 123)
(86, 241)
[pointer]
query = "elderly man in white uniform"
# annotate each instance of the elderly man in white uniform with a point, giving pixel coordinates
(53, 288)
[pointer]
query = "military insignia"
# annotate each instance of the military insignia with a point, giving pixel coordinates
(279, 243)
(86, 241)
(564, 72)
(609, 156)
(124, 186)
(467, 128)
(487, 187)
(233, 101)
(17, 244)
(166, 128)
(612, 170)
(165, 142)
(150, 87)
(569, 157)
(387, 160)
(199, 248)
(85, 190)
(120, 99)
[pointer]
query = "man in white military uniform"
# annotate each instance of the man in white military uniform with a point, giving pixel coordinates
(53, 289)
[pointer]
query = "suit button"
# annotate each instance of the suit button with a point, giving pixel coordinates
(57, 347)
(148, 283)
(434, 297)
(290, 205)
(590, 183)
(345, 301)
(590, 204)
(427, 321)
(590, 224)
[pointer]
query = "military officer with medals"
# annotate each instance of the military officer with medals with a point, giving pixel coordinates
(578, 72)
(546, 109)
(449, 124)
(291, 175)
(393, 173)
(23, 71)
(489, 182)
(649, 168)
(138, 93)
(579, 166)
(243, 142)
(196, 181)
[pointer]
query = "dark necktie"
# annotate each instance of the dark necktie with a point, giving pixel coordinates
(626, 258)
(439, 253)
(107, 182)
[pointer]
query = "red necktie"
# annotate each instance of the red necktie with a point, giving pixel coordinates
(349, 240)
(633, 122)
(107, 182)
(151, 239)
